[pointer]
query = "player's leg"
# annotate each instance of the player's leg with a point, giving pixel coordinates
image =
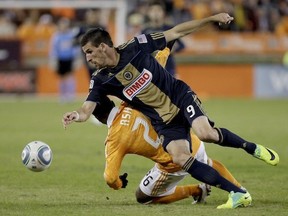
(175, 141)
(180, 152)
(159, 187)
(201, 155)
(207, 174)
(175, 136)
(202, 128)
(205, 131)
(235, 199)
(180, 193)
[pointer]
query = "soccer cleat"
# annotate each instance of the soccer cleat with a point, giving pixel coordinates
(206, 190)
(267, 155)
(236, 200)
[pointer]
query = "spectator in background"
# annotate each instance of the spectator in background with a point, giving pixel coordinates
(45, 27)
(26, 30)
(92, 19)
(135, 23)
(240, 21)
(7, 27)
(281, 28)
(283, 7)
(263, 17)
(157, 22)
(251, 14)
(57, 12)
(268, 15)
(63, 54)
(180, 12)
(16, 15)
(200, 9)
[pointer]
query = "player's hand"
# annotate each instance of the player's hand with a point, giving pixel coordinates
(124, 180)
(69, 118)
(223, 18)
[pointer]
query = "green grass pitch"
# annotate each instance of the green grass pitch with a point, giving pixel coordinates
(74, 184)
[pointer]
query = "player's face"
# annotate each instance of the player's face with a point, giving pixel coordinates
(95, 55)
(156, 13)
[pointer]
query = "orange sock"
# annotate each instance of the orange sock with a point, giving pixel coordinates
(181, 192)
(225, 172)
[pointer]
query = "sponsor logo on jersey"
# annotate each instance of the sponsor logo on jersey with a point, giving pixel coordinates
(127, 75)
(142, 38)
(91, 84)
(138, 84)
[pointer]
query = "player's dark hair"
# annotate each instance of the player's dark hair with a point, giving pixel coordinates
(96, 36)
(157, 3)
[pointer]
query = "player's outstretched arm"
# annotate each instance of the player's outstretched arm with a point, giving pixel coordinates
(188, 27)
(81, 115)
(115, 151)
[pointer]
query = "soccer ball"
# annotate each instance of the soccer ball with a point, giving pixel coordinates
(37, 156)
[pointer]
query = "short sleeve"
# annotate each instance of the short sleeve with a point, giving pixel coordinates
(96, 91)
(151, 42)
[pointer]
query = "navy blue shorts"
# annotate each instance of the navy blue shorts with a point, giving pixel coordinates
(177, 129)
(180, 126)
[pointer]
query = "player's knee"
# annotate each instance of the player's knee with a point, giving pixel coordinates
(142, 198)
(204, 131)
(179, 150)
(180, 159)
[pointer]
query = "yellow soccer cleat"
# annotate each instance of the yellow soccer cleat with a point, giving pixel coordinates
(267, 155)
(236, 200)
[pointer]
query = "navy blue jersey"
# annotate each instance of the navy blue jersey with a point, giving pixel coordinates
(179, 45)
(140, 80)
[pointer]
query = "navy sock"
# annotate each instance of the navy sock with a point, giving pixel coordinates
(229, 139)
(209, 175)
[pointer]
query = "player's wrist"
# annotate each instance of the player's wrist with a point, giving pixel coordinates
(77, 116)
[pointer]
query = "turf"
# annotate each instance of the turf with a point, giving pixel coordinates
(74, 183)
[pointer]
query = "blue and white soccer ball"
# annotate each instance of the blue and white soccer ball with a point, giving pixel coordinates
(37, 156)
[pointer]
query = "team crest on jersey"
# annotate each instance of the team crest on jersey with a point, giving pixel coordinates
(91, 84)
(142, 38)
(127, 75)
(138, 84)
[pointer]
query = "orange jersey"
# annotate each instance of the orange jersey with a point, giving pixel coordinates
(130, 132)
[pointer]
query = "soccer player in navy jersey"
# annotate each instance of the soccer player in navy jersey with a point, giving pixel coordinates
(130, 73)
(130, 132)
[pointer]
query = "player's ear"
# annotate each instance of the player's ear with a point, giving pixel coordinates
(102, 46)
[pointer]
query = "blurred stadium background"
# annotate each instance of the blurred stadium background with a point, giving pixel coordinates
(243, 59)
